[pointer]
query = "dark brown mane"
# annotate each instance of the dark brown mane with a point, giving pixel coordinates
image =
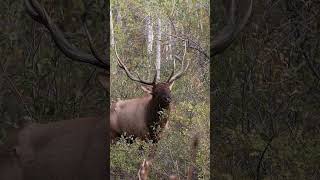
(158, 114)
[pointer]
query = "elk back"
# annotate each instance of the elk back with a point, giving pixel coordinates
(66, 150)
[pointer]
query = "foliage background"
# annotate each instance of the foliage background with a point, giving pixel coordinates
(190, 113)
(265, 94)
(265, 87)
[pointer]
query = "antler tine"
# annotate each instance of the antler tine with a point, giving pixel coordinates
(173, 70)
(156, 74)
(183, 68)
(227, 35)
(125, 68)
(39, 14)
(145, 166)
(143, 172)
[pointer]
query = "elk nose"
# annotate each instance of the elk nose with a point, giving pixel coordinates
(168, 99)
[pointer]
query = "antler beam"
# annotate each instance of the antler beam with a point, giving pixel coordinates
(226, 36)
(129, 74)
(39, 14)
(183, 69)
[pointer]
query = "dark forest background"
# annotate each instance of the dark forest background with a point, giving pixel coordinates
(266, 94)
(37, 82)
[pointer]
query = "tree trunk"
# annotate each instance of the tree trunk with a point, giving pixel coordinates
(111, 30)
(158, 59)
(149, 27)
(170, 47)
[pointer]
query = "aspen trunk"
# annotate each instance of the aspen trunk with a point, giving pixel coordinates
(158, 59)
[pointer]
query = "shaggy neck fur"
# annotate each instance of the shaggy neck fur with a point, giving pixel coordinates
(158, 118)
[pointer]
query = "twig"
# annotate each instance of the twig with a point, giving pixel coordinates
(262, 156)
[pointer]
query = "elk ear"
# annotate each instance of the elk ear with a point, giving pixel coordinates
(147, 89)
(170, 85)
(103, 79)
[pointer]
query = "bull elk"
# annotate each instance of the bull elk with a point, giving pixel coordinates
(77, 149)
(73, 149)
(145, 117)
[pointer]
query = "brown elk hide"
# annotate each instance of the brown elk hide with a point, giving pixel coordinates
(70, 149)
(10, 168)
(129, 116)
(136, 117)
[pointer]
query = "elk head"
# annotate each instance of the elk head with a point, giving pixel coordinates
(161, 92)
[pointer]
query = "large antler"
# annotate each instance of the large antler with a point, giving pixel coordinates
(131, 76)
(172, 77)
(183, 69)
(235, 24)
(39, 14)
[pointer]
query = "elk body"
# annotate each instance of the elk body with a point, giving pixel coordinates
(142, 117)
(77, 149)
